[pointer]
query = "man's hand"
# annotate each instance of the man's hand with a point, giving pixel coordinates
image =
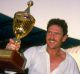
(12, 45)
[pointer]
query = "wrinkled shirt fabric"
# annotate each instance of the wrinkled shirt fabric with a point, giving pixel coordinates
(38, 62)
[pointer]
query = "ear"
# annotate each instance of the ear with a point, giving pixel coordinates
(64, 38)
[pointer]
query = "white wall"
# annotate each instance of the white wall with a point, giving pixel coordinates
(43, 10)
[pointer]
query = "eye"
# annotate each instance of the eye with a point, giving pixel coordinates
(48, 32)
(56, 33)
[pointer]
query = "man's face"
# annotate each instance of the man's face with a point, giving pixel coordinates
(54, 37)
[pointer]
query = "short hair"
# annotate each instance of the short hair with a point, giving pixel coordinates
(59, 22)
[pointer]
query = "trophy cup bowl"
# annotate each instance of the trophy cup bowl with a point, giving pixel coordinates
(23, 23)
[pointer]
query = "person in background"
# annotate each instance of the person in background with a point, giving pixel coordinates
(49, 58)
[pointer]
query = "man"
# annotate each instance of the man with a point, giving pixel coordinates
(50, 58)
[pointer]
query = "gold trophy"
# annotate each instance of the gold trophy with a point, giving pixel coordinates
(23, 23)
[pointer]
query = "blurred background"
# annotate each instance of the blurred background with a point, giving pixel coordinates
(43, 10)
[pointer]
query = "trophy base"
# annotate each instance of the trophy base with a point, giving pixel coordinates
(11, 61)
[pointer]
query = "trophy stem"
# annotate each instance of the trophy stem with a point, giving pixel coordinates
(18, 41)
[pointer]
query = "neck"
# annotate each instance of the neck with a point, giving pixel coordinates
(54, 52)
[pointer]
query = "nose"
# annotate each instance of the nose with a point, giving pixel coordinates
(51, 35)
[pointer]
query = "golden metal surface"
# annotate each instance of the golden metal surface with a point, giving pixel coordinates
(5, 53)
(23, 22)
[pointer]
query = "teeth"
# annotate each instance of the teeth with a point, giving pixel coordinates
(51, 40)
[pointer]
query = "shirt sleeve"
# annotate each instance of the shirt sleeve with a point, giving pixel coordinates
(73, 67)
(75, 53)
(76, 69)
(29, 55)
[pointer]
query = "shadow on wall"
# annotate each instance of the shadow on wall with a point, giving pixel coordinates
(35, 37)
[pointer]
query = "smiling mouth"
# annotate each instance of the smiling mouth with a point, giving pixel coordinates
(51, 40)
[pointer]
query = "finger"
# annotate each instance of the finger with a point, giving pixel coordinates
(11, 41)
(12, 47)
